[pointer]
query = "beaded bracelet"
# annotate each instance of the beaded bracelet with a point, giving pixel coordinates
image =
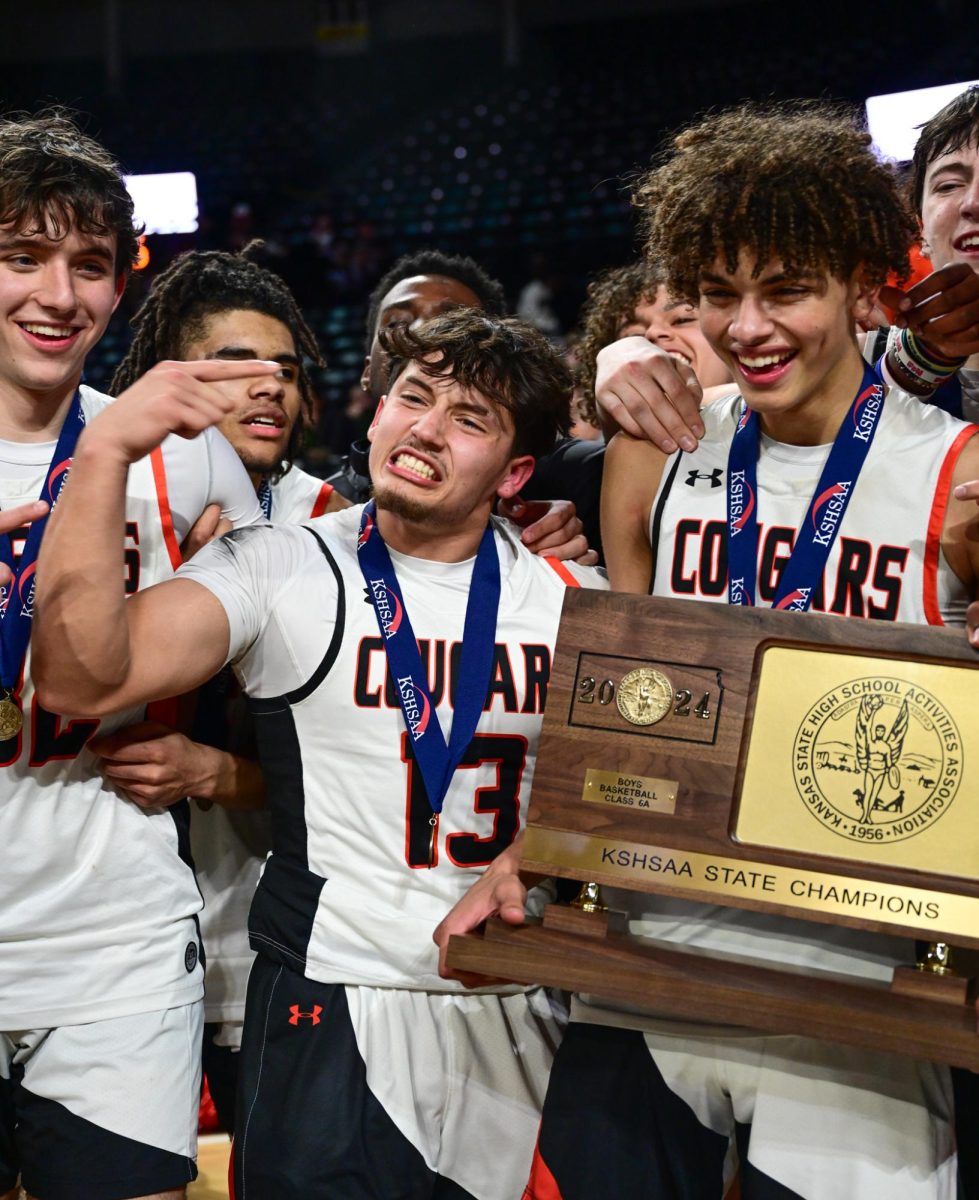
(927, 366)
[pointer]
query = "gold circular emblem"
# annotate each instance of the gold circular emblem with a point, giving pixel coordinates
(878, 759)
(644, 696)
(11, 719)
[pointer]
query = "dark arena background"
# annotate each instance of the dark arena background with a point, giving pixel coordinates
(348, 132)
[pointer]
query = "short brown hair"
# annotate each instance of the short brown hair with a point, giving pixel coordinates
(612, 299)
(798, 183)
(955, 126)
(505, 360)
(54, 177)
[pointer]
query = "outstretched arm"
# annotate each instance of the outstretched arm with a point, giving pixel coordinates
(93, 650)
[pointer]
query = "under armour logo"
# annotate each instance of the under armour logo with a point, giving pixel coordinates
(714, 477)
(297, 1016)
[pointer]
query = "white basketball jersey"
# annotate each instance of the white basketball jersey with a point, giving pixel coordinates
(886, 563)
(352, 892)
(298, 496)
(230, 847)
(97, 899)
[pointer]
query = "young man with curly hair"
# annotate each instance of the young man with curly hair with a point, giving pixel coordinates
(644, 1105)
(632, 301)
(932, 350)
(363, 1073)
(101, 978)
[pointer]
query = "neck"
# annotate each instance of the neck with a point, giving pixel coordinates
(423, 540)
(817, 420)
(257, 478)
(27, 416)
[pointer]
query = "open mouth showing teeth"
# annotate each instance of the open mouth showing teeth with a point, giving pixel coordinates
(680, 358)
(760, 366)
(969, 243)
(408, 462)
(267, 421)
(54, 332)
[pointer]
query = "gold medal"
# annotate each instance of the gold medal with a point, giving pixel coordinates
(11, 719)
(644, 696)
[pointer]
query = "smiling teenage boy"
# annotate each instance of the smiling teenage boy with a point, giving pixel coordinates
(100, 974)
(359, 638)
(779, 278)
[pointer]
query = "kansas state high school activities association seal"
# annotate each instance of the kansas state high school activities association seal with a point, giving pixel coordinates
(877, 759)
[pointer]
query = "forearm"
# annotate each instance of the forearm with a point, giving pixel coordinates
(80, 640)
(228, 780)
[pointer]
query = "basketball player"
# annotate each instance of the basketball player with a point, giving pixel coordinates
(215, 305)
(100, 974)
(426, 284)
(225, 307)
(363, 1072)
(647, 397)
(631, 301)
(642, 1105)
(941, 313)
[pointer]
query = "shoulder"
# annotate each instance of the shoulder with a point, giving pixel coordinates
(93, 402)
(517, 561)
(720, 416)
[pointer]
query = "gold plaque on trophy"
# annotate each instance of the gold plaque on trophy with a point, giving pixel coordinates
(862, 759)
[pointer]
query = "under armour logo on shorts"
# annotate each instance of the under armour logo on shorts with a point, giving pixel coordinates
(297, 1015)
(714, 477)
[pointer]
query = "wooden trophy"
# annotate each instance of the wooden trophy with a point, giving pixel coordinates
(794, 764)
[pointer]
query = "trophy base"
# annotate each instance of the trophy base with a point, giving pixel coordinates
(568, 919)
(946, 989)
(693, 985)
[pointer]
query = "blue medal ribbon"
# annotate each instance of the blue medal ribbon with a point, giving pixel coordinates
(824, 514)
(265, 498)
(17, 599)
(436, 759)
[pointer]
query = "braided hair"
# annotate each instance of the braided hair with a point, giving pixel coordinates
(195, 287)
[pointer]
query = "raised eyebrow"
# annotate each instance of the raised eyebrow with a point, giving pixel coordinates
(956, 166)
(417, 379)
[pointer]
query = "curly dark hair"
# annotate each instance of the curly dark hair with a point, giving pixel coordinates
(466, 270)
(955, 126)
(55, 178)
(796, 182)
(194, 287)
(612, 299)
(505, 360)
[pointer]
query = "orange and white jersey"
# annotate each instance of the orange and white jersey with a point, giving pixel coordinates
(298, 496)
(886, 563)
(350, 893)
(99, 903)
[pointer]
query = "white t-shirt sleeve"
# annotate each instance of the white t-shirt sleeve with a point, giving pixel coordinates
(228, 482)
(205, 470)
(278, 593)
(244, 570)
